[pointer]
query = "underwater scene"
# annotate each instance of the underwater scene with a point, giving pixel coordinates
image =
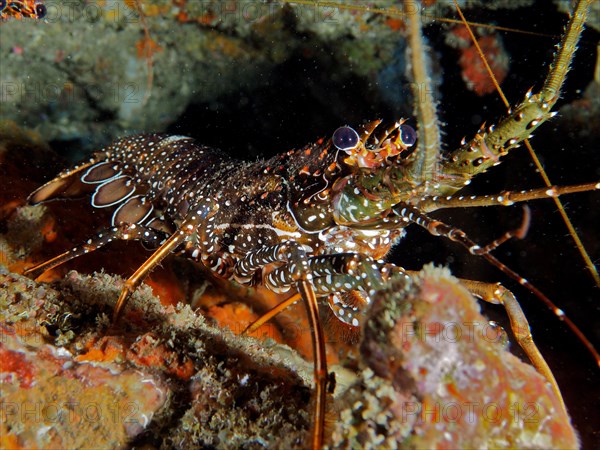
(299, 224)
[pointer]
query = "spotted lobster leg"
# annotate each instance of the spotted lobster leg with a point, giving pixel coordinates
(330, 276)
(197, 218)
(296, 272)
(497, 294)
(122, 232)
(506, 198)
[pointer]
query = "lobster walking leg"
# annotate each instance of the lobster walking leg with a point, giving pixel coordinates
(200, 214)
(332, 275)
(280, 307)
(144, 270)
(320, 360)
(122, 232)
(340, 272)
(506, 198)
(498, 294)
(329, 279)
(297, 272)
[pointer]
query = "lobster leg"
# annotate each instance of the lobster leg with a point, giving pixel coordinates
(280, 307)
(507, 198)
(354, 275)
(409, 214)
(196, 219)
(144, 270)
(122, 232)
(297, 272)
(320, 360)
(496, 293)
(330, 274)
(333, 274)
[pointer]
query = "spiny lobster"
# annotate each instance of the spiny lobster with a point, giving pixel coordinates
(324, 215)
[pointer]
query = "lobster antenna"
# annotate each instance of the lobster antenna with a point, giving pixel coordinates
(581, 12)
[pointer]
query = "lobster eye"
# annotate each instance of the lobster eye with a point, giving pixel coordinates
(40, 10)
(408, 135)
(345, 138)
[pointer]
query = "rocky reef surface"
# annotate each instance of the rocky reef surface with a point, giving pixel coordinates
(428, 374)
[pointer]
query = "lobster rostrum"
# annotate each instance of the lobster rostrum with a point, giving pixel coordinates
(322, 218)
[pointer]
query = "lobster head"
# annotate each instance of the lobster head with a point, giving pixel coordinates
(375, 147)
(374, 157)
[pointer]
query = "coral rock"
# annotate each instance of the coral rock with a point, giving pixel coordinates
(438, 375)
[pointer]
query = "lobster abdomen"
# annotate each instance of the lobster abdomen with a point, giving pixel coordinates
(139, 174)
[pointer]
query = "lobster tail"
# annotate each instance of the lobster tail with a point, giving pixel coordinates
(106, 183)
(67, 184)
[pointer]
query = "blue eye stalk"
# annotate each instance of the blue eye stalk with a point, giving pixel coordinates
(345, 138)
(408, 135)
